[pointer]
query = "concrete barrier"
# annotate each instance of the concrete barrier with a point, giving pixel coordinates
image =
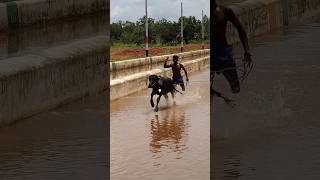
(257, 17)
(3, 16)
(19, 13)
(262, 16)
(130, 84)
(46, 79)
(298, 10)
(126, 64)
(50, 34)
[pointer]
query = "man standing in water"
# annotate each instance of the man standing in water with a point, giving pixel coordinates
(222, 55)
(176, 71)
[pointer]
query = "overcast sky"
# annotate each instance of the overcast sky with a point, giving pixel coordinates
(132, 10)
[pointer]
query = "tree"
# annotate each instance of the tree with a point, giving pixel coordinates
(206, 22)
(160, 31)
(116, 31)
(192, 28)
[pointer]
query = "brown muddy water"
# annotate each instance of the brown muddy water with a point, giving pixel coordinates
(273, 131)
(65, 143)
(173, 143)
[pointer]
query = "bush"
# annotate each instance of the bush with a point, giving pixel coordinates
(162, 32)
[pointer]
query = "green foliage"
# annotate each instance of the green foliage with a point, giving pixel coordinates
(162, 32)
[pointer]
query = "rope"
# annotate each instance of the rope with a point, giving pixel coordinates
(245, 69)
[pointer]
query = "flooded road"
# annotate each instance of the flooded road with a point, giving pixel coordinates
(170, 144)
(273, 132)
(65, 143)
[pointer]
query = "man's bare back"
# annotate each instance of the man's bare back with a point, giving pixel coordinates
(220, 25)
(222, 58)
(221, 16)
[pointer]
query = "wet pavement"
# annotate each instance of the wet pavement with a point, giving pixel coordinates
(65, 143)
(273, 131)
(173, 143)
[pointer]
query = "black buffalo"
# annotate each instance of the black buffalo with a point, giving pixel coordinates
(161, 86)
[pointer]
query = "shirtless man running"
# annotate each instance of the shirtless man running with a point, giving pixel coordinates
(222, 54)
(176, 71)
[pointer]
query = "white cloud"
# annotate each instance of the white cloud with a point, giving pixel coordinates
(132, 10)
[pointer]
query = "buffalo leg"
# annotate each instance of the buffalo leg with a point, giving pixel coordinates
(218, 94)
(158, 99)
(166, 96)
(151, 100)
(172, 95)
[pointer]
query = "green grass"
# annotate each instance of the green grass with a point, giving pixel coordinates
(122, 45)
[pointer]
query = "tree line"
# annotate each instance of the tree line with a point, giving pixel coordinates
(162, 31)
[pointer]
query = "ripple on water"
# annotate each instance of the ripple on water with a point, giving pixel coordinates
(274, 132)
(173, 142)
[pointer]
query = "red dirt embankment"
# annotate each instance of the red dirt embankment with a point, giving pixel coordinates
(133, 53)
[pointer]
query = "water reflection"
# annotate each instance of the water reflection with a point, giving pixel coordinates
(229, 167)
(55, 144)
(170, 144)
(168, 132)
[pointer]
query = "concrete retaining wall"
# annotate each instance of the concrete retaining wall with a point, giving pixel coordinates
(136, 82)
(21, 39)
(263, 16)
(257, 17)
(299, 9)
(39, 81)
(3, 16)
(126, 64)
(18, 13)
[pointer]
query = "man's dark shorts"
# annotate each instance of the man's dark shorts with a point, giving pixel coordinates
(179, 81)
(223, 62)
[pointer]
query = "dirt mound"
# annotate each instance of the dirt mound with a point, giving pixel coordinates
(133, 53)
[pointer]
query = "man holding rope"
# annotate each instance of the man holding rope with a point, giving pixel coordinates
(223, 61)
